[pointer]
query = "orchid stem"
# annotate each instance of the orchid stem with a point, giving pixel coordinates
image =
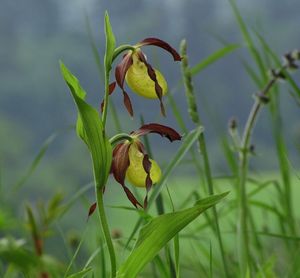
(106, 231)
(121, 49)
(106, 98)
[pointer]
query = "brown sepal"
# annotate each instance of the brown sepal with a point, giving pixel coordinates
(162, 44)
(162, 130)
(152, 75)
(92, 210)
(111, 89)
(148, 182)
(120, 162)
(140, 146)
(121, 69)
(127, 103)
(147, 166)
(131, 197)
(120, 73)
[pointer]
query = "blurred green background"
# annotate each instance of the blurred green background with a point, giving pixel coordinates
(35, 103)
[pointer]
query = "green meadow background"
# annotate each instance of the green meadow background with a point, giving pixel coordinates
(41, 156)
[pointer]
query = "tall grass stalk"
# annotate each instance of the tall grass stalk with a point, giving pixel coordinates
(279, 139)
(194, 115)
(243, 246)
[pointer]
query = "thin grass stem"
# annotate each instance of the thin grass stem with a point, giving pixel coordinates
(202, 145)
(243, 246)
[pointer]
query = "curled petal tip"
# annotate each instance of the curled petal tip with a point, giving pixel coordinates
(162, 44)
(162, 130)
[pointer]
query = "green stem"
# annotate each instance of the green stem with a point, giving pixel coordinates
(208, 175)
(283, 164)
(120, 137)
(243, 246)
(106, 231)
(192, 104)
(106, 98)
(121, 49)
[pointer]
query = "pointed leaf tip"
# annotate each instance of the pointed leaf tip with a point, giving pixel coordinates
(110, 43)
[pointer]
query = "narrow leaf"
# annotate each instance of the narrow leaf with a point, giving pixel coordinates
(187, 143)
(36, 161)
(277, 61)
(110, 43)
(247, 38)
(213, 58)
(160, 230)
(90, 130)
(80, 274)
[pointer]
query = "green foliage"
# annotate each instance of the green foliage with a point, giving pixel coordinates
(155, 235)
(214, 57)
(12, 251)
(80, 274)
(110, 43)
(268, 243)
(89, 129)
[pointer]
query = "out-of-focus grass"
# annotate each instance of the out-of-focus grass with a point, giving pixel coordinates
(181, 188)
(196, 238)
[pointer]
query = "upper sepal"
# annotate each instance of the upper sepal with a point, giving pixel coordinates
(162, 44)
(163, 130)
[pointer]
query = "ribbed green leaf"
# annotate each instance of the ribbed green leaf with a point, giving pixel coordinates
(213, 58)
(89, 128)
(155, 235)
(110, 43)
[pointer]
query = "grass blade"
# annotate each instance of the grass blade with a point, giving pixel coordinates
(217, 55)
(80, 274)
(36, 161)
(247, 38)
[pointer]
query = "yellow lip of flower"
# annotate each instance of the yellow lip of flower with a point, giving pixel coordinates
(136, 173)
(139, 81)
(139, 74)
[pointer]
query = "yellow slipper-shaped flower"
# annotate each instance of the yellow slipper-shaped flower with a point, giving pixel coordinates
(140, 82)
(136, 173)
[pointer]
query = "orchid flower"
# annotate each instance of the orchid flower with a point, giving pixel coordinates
(132, 163)
(140, 76)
